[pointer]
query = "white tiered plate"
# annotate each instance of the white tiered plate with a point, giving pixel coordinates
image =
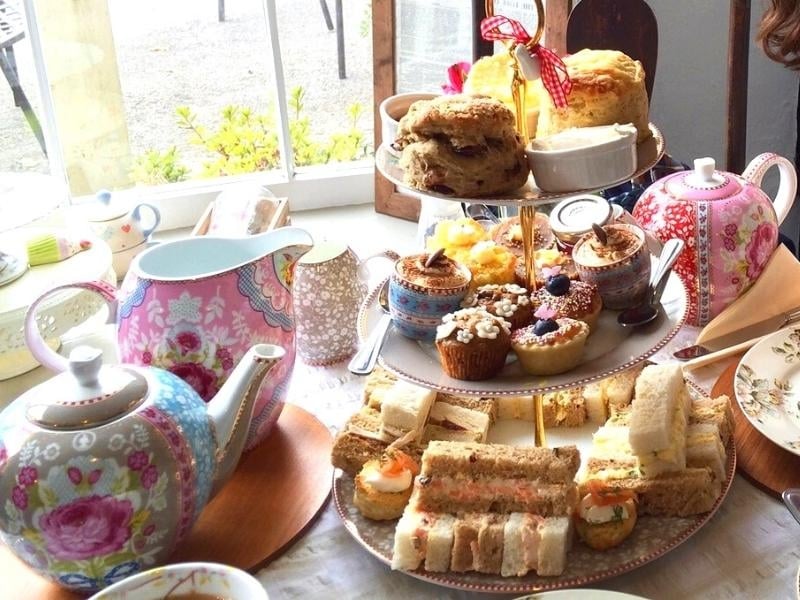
(767, 387)
(648, 153)
(611, 349)
(651, 538)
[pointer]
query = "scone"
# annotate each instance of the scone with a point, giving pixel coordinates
(473, 344)
(509, 301)
(383, 487)
(550, 346)
(571, 299)
(465, 146)
(607, 88)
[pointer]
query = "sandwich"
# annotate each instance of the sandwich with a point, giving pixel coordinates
(658, 419)
(704, 449)
(469, 477)
(377, 383)
(422, 537)
(460, 419)
(559, 409)
(517, 408)
(361, 440)
(714, 410)
(607, 396)
(404, 409)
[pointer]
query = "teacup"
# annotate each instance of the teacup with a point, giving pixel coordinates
(187, 580)
(422, 289)
(619, 267)
(330, 281)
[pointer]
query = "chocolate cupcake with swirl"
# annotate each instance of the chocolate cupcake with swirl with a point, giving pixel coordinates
(570, 299)
(508, 300)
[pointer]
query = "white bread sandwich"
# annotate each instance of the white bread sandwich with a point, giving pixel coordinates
(534, 543)
(607, 396)
(422, 537)
(405, 408)
(452, 420)
(704, 449)
(559, 409)
(714, 410)
(377, 383)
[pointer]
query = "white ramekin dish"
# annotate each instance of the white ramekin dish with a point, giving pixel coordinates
(583, 158)
(394, 108)
(183, 579)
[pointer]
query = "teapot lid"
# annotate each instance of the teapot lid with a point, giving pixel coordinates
(104, 209)
(704, 182)
(88, 394)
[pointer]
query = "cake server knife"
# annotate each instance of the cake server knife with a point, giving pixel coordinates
(750, 333)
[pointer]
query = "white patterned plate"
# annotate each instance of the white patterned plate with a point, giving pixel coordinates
(651, 538)
(583, 594)
(609, 350)
(648, 153)
(767, 387)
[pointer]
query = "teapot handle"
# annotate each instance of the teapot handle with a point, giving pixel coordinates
(363, 263)
(136, 214)
(787, 188)
(33, 338)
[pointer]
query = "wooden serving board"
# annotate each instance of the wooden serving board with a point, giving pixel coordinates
(766, 464)
(278, 489)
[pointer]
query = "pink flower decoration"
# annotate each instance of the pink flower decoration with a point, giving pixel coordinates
(729, 244)
(138, 460)
(27, 476)
(760, 248)
(188, 341)
(149, 476)
(202, 379)
(551, 271)
(94, 476)
(456, 75)
(545, 312)
(147, 357)
(19, 497)
(730, 229)
(87, 527)
(74, 475)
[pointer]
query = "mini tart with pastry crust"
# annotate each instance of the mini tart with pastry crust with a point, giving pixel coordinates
(383, 487)
(507, 300)
(473, 344)
(572, 299)
(551, 346)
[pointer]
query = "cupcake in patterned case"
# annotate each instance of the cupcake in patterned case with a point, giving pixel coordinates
(508, 300)
(473, 344)
(551, 346)
(571, 299)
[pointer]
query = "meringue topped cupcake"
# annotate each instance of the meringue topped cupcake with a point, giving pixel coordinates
(568, 298)
(473, 344)
(507, 300)
(551, 345)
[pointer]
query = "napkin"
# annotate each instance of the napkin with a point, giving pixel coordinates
(775, 291)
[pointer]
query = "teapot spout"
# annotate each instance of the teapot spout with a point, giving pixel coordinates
(231, 410)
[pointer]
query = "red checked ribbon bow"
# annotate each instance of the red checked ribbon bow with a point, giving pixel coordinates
(554, 72)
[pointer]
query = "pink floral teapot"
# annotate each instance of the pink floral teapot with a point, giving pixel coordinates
(729, 225)
(105, 468)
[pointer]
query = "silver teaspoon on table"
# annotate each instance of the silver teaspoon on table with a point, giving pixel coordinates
(364, 360)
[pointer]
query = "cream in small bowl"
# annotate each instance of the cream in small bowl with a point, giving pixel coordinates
(394, 108)
(583, 158)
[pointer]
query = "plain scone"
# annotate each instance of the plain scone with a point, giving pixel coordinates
(607, 88)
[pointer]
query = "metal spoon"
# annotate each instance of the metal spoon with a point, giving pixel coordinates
(791, 498)
(644, 313)
(364, 360)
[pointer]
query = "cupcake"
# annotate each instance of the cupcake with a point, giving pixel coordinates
(551, 346)
(570, 299)
(473, 344)
(508, 233)
(490, 263)
(542, 259)
(383, 487)
(507, 300)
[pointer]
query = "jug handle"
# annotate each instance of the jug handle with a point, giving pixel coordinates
(33, 338)
(787, 188)
(363, 269)
(136, 214)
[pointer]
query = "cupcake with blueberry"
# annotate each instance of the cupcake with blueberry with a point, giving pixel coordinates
(550, 346)
(509, 301)
(571, 299)
(473, 344)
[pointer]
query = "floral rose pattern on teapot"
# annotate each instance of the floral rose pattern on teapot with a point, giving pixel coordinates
(95, 521)
(199, 333)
